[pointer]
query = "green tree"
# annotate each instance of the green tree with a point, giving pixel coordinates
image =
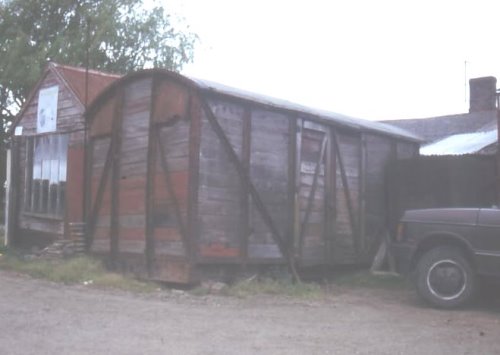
(122, 36)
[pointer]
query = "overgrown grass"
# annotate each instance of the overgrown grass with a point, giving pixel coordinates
(368, 280)
(78, 270)
(283, 286)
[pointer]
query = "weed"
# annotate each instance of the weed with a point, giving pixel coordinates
(83, 269)
(369, 280)
(270, 286)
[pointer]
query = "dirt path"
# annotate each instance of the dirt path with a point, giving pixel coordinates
(38, 317)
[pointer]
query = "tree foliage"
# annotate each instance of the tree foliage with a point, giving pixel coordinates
(122, 36)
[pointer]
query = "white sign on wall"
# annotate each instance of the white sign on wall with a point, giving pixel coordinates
(47, 110)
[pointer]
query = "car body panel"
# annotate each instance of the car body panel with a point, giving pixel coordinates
(476, 230)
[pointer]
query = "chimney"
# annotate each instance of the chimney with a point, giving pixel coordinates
(483, 94)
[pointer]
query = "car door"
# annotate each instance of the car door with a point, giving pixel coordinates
(486, 241)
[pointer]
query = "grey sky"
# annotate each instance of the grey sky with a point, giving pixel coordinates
(379, 59)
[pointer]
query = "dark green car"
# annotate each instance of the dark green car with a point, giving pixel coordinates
(447, 250)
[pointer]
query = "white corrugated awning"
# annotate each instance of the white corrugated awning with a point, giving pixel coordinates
(459, 144)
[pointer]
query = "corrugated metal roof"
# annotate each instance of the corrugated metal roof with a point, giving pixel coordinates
(459, 144)
(344, 120)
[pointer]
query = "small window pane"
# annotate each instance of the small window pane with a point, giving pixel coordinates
(47, 183)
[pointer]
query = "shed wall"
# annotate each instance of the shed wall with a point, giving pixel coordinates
(441, 181)
(32, 228)
(183, 175)
(331, 208)
(139, 175)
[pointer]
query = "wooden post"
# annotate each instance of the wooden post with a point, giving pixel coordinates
(8, 203)
(115, 177)
(244, 198)
(310, 199)
(171, 190)
(292, 181)
(195, 114)
(13, 191)
(330, 199)
(296, 204)
(93, 209)
(362, 192)
(345, 183)
(150, 182)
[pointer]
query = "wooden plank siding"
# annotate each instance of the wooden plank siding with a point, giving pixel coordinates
(69, 119)
(142, 216)
(207, 178)
(378, 156)
(219, 193)
(269, 172)
(49, 201)
(312, 199)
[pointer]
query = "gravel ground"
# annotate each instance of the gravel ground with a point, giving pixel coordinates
(39, 317)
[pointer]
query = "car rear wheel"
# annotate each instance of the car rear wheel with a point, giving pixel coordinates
(445, 278)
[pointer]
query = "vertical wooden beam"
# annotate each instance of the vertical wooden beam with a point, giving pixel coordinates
(391, 203)
(296, 202)
(41, 189)
(312, 193)
(245, 194)
(334, 202)
(292, 181)
(171, 191)
(330, 199)
(345, 184)
(150, 181)
(49, 154)
(115, 176)
(362, 192)
(88, 172)
(93, 209)
(28, 174)
(195, 117)
(13, 196)
(8, 202)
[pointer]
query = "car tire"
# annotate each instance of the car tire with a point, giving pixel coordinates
(445, 278)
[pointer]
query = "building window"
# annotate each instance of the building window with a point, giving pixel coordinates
(46, 162)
